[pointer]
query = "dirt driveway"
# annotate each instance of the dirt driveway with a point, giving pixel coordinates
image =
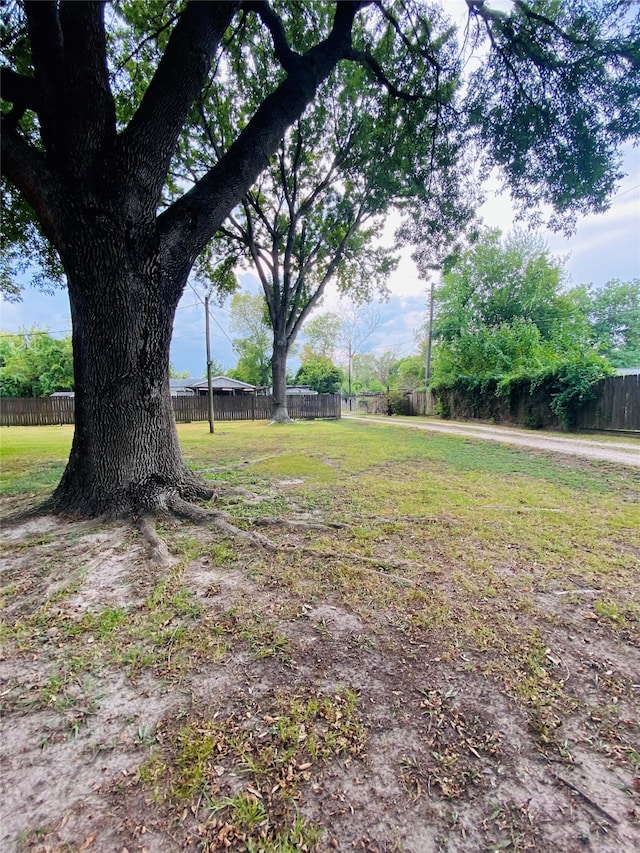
(625, 452)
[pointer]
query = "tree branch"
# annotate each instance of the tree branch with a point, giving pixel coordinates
(190, 222)
(330, 271)
(20, 90)
(251, 202)
(26, 168)
(152, 135)
(412, 48)
(45, 36)
(365, 58)
(87, 100)
(75, 105)
(288, 58)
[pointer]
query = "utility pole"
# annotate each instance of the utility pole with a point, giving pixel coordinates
(207, 296)
(430, 334)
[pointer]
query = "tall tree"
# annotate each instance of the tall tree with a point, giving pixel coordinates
(250, 323)
(499, 280)
(320, 336)
(383, 364)
(313, 215)
(99, 139)
(90, 144)
(320, 374)
(614, 313)
(505, 321)
(408, 373)
(359, 322)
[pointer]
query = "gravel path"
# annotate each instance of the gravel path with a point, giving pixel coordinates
(625, 452)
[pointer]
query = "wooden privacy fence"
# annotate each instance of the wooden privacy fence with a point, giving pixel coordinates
(245, 408)
(36, 411)
(398, 403)
(615, 406)
(254, 407)
(40, 411)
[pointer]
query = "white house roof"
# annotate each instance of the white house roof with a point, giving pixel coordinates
(223, 383)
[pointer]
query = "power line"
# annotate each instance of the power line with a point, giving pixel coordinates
(213, 317)
(624, 192)
(35, 332)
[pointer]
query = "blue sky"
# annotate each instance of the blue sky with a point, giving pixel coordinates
(603, 247)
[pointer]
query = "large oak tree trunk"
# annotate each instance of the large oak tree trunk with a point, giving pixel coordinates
(279, 380)
(125, 456)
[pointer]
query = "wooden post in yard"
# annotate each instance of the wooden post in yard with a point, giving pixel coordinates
(209, 386)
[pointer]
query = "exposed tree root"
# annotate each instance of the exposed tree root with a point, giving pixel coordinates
(173, 503)
(357, 558)
(297, 524)
(198, 515)
(180, 508)
(158, 553)
(587, 799)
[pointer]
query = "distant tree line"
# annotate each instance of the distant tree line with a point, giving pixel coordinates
(34, 364)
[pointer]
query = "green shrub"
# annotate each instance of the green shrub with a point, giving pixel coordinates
(397, 403)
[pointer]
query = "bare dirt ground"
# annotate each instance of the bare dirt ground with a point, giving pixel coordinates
(624, 451)
(245, 700)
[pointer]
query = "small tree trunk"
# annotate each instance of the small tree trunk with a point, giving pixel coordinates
(279, 381)
(125, 457)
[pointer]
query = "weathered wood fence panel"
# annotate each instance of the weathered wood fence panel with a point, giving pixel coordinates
(16, 411)
(37, 411)
(310, 406)
(241, 408)
(422, 403)
(616, 406)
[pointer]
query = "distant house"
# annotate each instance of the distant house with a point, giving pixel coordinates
(627, 371)
(223, 386)
(63, 394)
(181, 388)
(299, 390)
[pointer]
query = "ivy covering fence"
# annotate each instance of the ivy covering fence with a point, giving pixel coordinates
(614, 404)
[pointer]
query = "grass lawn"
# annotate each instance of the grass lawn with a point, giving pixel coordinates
(442, 652)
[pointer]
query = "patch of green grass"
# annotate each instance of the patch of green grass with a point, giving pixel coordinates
(39, 480)
(277, 747)
(167, 633)
(248, 819)
(611, 611)
(221, 553)
(33, 458)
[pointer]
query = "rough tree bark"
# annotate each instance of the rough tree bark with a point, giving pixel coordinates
(279, 378)
(125, 455)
